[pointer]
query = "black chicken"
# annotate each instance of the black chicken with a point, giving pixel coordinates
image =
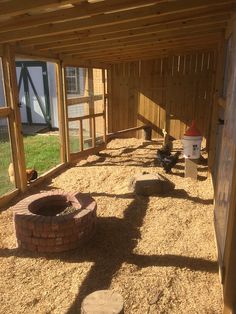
(166, 160)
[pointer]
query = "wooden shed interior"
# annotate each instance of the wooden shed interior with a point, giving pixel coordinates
(158, 63)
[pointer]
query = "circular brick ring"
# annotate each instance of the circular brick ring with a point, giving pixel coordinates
(39, 228)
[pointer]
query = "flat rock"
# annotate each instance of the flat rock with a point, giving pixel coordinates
(151, 184)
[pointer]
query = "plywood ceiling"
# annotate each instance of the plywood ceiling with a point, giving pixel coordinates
(112, 31)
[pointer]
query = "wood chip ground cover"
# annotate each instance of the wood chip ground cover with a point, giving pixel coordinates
(157, 252)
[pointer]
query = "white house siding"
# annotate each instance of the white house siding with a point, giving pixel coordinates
(53, 94)
(2, 97)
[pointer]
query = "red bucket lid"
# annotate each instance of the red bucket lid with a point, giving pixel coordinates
(192, 130)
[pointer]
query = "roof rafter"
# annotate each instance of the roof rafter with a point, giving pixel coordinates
(137, 33)
(16, 7)
(156, 10)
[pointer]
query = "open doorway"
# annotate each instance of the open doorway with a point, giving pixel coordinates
(39, 114)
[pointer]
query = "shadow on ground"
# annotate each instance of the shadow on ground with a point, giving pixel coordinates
(112, 245)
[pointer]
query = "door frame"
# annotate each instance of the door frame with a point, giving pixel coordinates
(26, 79)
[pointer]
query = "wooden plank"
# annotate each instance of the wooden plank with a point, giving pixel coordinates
(217, 86)
(121, 132)
(82, 9)
(134, 49)
(49, 174)
(64, 95)
(93, 132)
(156, 54)
(168, 26)
(35, 54)
(61, 113)
(84, 63)
(81, 137)
(89, 116)
(81, 100)
(151, 39)
(12, 97)
(5, 199)
(5, 112)
(105, 106)
(156, 10)
(14, 7)
(158, 93)
(130, 25)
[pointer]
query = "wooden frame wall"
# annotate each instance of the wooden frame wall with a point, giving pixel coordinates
(164, 93)
(91, 116)
(226, 181)
(12, 112)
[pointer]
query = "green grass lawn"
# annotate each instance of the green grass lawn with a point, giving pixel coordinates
(42, 152)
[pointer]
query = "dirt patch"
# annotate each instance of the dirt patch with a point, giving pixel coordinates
(157, 252)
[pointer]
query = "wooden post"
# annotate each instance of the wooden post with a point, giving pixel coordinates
(110, 71)
(105, 105)
(219, 63)
(61, 104)
(81, 138)
(91, 102)
(64, 95)
(12, 96)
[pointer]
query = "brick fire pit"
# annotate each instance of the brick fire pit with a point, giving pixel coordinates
(42, 223)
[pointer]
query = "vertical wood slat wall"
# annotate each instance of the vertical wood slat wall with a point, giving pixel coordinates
(167, 92)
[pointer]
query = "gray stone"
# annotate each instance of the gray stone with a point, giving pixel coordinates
(148, 184)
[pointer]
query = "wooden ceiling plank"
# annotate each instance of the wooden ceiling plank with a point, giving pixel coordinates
(82, 10)
(16, 7)
(153, 37)
(151, 54)
(158, 54)
(130, 25)
(159, 28)
(157, 10)
(136, 49)
(132, 48)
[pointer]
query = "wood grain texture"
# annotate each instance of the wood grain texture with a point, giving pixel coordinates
(163, 93)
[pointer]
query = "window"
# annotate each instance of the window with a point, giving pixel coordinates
(72, 80)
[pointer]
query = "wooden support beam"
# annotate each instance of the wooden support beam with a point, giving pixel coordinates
(160, 28)
(61, 105)
(83, 62)
(218, 83)
(80, 10)
(89, 116)
(64, 93)
(81, 137)
(81, 100)
(15, 7)
(155, 38)
(93, 33)
(5, 112)
(12, 97)
(146, 44)
(36, 55)
(105, 105)
(119, 133)
(157, 10)
(5, 199)
(158, 54)
(138, 53)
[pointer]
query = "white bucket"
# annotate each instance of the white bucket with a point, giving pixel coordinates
(192, 146)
